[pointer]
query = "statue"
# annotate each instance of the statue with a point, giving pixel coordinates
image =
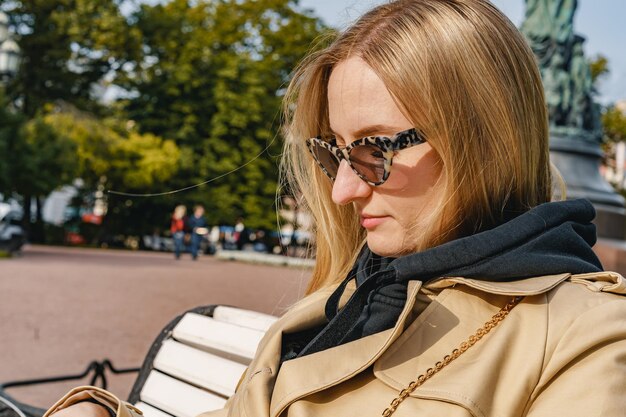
(585, 113)
(549, 27)
(547, 24)
(575, 124)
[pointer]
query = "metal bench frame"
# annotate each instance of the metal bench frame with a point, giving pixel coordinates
(98, 370)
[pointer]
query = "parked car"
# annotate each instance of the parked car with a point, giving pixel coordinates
(12, 236)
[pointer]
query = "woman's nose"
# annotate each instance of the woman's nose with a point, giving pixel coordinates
(348, 186)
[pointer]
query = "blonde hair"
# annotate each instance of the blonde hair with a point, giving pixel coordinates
(464, 75)
(179, 212)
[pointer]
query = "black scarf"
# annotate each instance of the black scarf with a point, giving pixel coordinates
(551, 238)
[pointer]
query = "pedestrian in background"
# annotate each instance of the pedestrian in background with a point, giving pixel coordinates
(199, 227)
(239, 234)
(177, 227)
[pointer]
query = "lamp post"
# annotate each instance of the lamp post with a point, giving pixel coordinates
(9, 51)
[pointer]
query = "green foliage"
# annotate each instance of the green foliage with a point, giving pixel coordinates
(67, 47)
(613, 118)
(599, 67)
(43, 159)
(203, 83)
(212, 79)
(94, 142)
(145, 160)
(34, 158)
(51, 150)
(614, 122)
(10, 125)
(113, 156)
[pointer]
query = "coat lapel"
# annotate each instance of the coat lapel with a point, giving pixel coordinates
(306, 314)
(302, 376)
(448, 322)
(255, 389)
(269, 392)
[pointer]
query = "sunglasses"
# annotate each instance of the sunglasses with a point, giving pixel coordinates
(370, 158)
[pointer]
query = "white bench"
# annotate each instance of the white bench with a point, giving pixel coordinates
(197, 361)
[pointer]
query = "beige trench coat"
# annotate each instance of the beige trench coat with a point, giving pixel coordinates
(560, 352)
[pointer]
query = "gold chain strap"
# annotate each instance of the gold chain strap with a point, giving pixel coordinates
(480, 333)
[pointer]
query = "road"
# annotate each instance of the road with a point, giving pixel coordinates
(60, 308)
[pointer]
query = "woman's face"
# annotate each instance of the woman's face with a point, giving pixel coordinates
(394, 212)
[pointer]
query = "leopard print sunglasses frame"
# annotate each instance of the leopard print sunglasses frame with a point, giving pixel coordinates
(363, 154)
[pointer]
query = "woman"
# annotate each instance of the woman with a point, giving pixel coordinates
(177, 227)
(446, 282)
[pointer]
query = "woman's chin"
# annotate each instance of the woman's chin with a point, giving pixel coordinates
(386, 247)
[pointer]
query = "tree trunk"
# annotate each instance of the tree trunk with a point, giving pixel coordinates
(38, 229)
(26, 219)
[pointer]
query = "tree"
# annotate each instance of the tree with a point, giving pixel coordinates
(37, 161)
(599, 67)
(10, 125)
(613, 119)
(68, 47)
(202, 84)
(614, 124)
(111, 154)
(211, 79)
(42, 160)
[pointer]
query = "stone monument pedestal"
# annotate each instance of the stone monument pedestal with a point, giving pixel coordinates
(578, 161)
(612, 254)
(610, 222)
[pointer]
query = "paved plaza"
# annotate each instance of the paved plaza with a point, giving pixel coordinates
(60, 308)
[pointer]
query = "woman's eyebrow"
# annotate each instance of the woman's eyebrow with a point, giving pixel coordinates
(370, 131)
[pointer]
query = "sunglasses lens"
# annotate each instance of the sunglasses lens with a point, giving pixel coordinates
(326, 158)
(369, 161)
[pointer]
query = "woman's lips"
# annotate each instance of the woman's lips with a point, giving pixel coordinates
(370, 222)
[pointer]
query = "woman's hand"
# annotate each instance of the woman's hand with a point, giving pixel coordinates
(83, 409)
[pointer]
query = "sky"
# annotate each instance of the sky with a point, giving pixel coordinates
(602, 22)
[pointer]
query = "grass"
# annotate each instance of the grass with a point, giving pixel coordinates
(4, 254)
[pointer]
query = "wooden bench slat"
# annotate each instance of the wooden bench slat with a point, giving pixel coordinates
(224, 339)
(178, 398)
(244, 318)
(149, 411)
(201, 368)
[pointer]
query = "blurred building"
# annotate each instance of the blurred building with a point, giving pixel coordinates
(58, 207)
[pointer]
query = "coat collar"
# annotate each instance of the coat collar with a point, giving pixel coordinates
(322, 368)
(604, 281)
(529, 286)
